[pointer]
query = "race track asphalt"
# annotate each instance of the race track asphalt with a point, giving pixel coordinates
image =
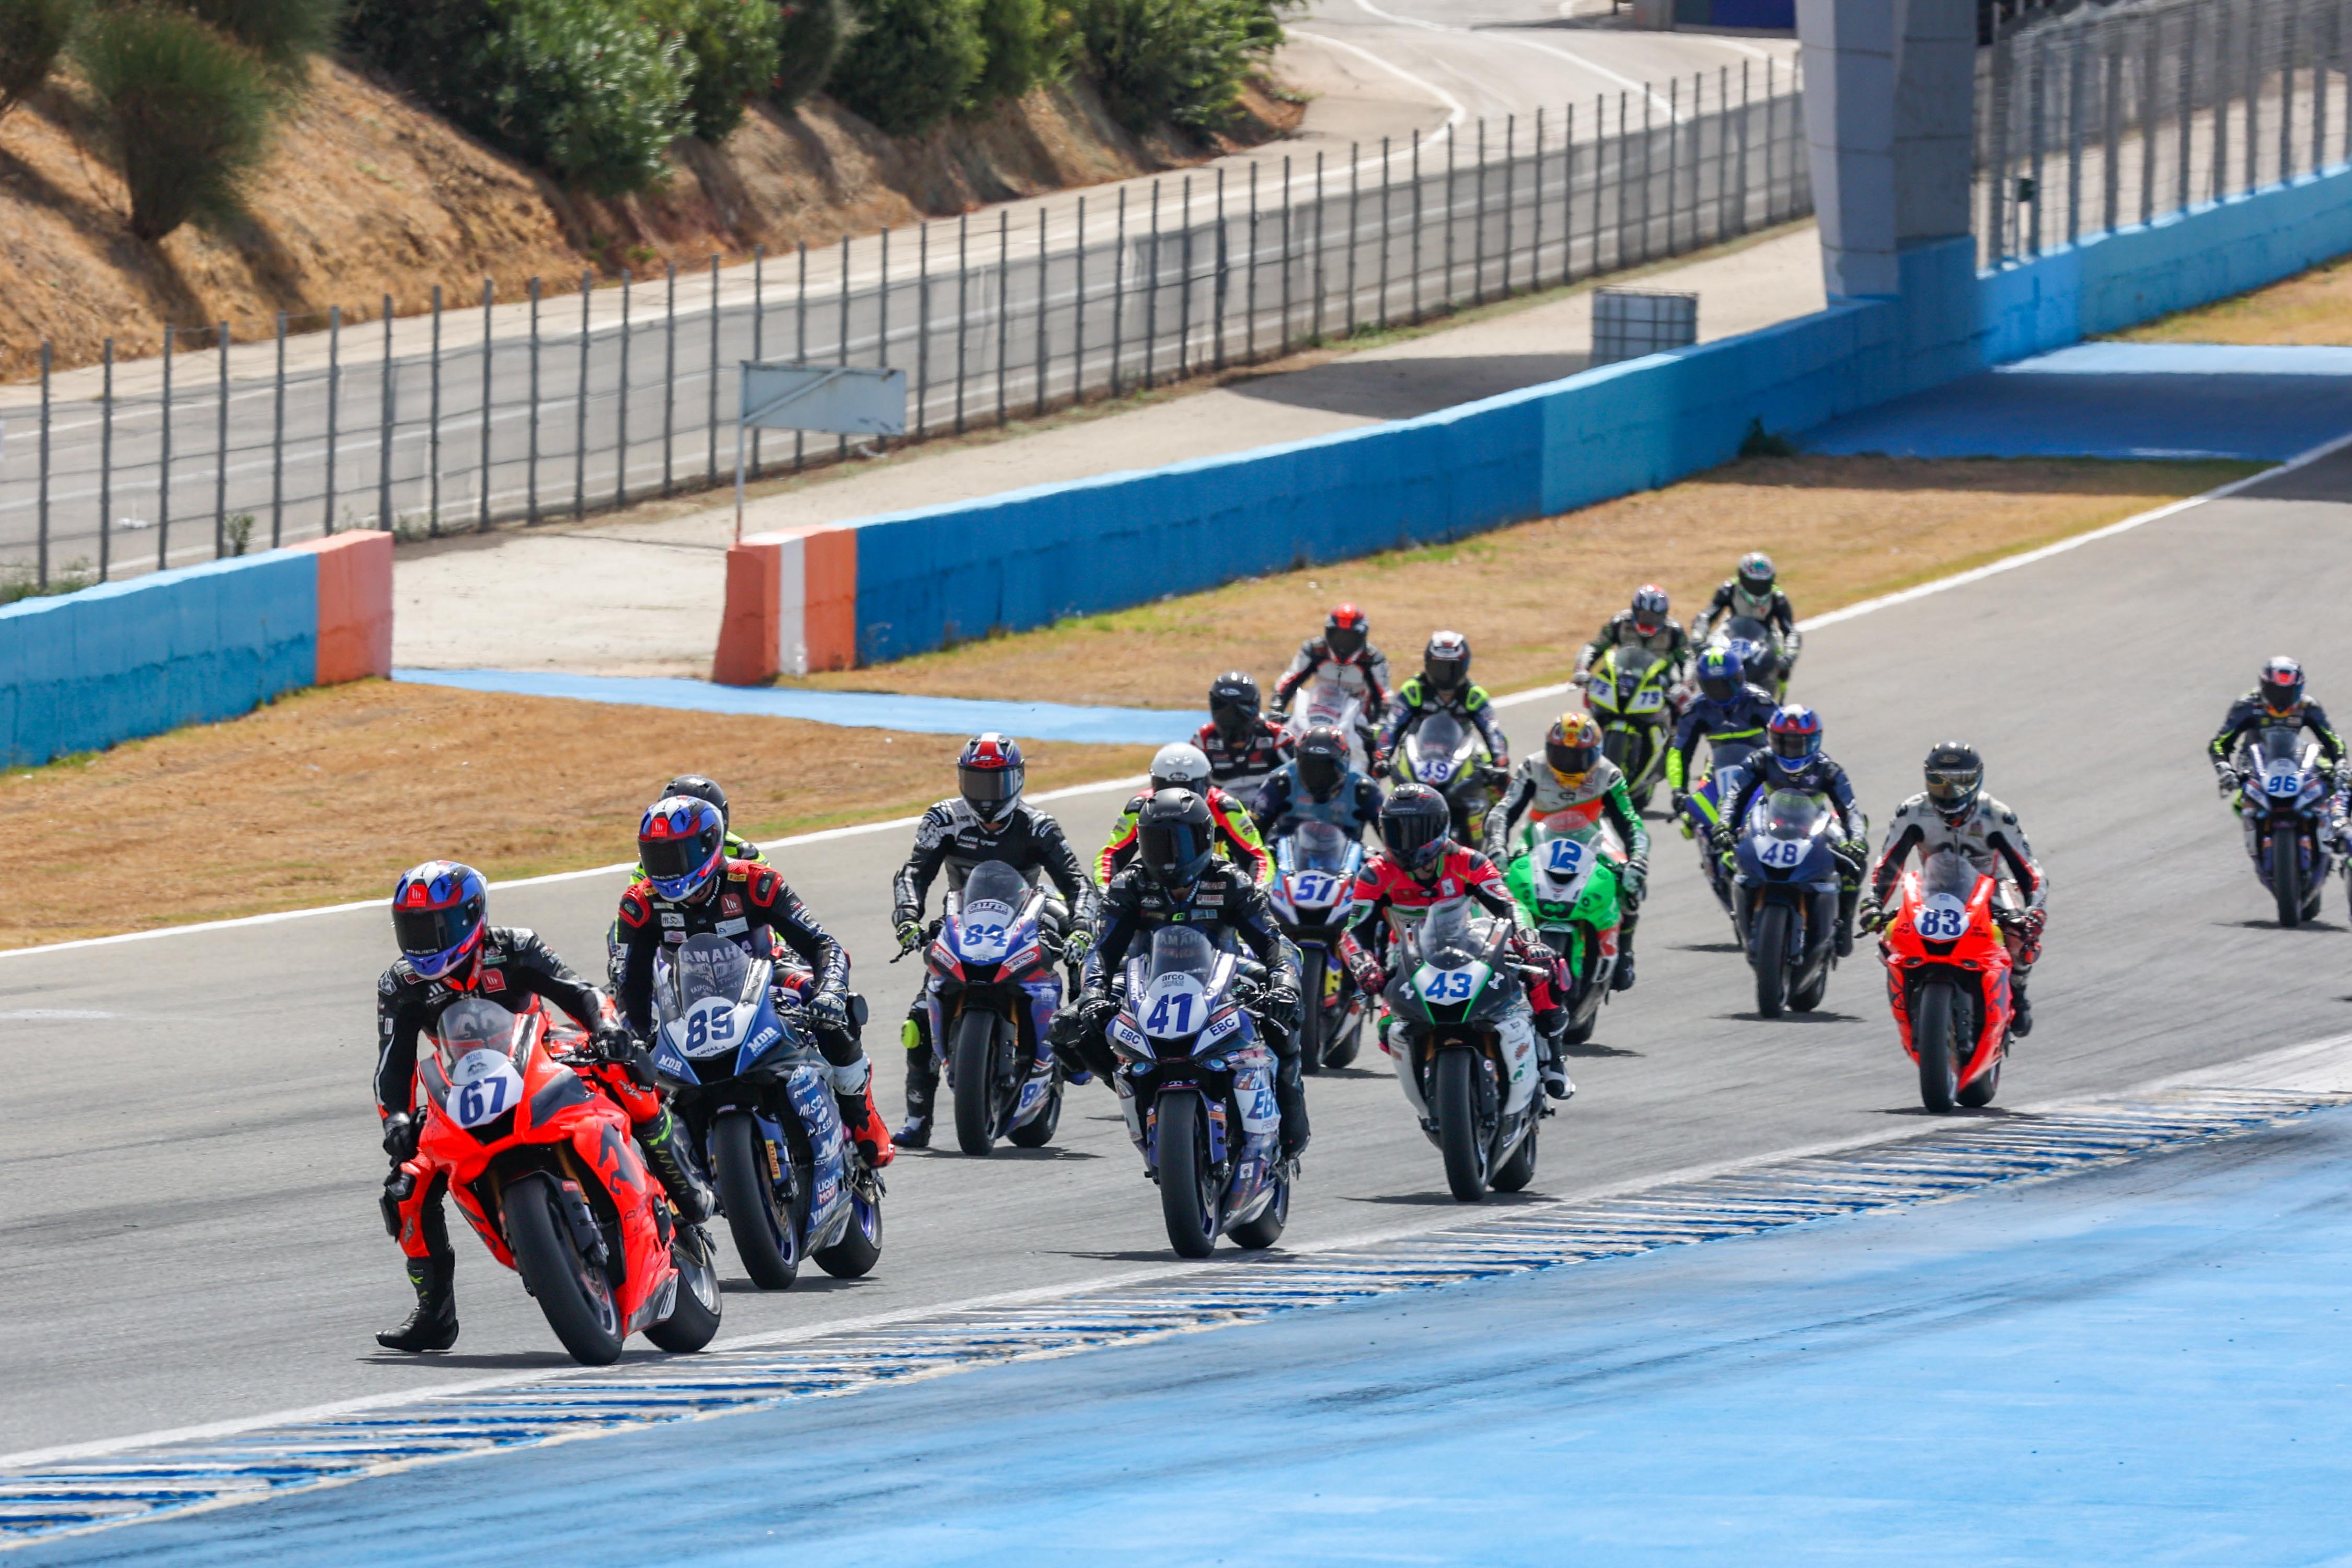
(190, 1157)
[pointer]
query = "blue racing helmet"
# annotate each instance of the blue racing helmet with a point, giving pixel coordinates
(1794, 738)
(439, 911)
(682, 845)
(1719, 674)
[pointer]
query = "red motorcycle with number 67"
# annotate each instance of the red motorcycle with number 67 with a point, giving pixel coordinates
(1947, 972)
(542, 1164)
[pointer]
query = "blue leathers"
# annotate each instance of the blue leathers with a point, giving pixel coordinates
(1740, 716)
(1821, 778)
(1283, 803)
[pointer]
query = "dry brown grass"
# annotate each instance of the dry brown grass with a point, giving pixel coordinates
(327, 795)
(1840, 530)
(2314, 307)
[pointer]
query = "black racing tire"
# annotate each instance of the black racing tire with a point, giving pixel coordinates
(2286, 877)
(1266, 1229)
(1311, 1021)
(1977, 1092)
(576, 1295)
(860, 1247)
(1514, 1173)
(975, 1081)
(1342, 1048)
(1188, 1199)
(1935, 1022)
(1459, 1135)
(1808, 996)
(693, 1321)
(1038, 1130)
(1774, 924)
(767, 1240)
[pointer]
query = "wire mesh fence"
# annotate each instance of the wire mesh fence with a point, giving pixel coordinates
(575, 402)
(2104, 118)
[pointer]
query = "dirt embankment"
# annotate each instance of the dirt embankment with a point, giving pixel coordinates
(365, 194)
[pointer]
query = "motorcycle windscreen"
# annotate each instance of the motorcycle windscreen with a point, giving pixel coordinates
(1747, 629)
(1633, 668)
(1319, 846)
(1563, 853)
(475, 1023)
(2282, 763)
(1445, 938)
(1786, 814)
(480, 1047)
(1951, 872)
(710, 965)
(997, 882)
(1437, 749)
(1179, 983)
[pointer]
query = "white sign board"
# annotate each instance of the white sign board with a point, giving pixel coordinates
(850, 400)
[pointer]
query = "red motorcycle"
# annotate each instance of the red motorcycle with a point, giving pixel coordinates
(542, 1164)
(1947, 972)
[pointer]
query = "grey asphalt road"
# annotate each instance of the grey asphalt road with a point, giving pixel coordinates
(342, 450)
(189, 1154)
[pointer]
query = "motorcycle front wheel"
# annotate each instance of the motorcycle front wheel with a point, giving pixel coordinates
(860, 1247)
(693, 1321)
(575, 1294)
(1514, 1173)
(1459, 1132)
(2286, 877)
(1935, 1021)
(1188, 1183)
(975, 1081)
(1267, 1228)
(1038, 1130)
(1773, 923)
(1311, 1021)
(767, 1240)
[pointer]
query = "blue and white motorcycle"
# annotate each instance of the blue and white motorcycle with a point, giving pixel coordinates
(1196, 1085)
(2284, 806)
(746, 1077)
(992, 994)
(1784, 899)
(1315, 871)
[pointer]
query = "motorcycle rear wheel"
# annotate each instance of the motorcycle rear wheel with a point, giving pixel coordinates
(693, 1321)
(767, 1241)
(1310, 1013)
(975, 1082)
(1514, 1173)
(1935, 1019)
(2286, 877)
(1459, 1132)
(1188, 1198)
(576, 1295)
(1771, 959)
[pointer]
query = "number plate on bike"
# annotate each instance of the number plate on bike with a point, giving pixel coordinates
(1315, 889)
(710, 1026)
(2287, 781)
(1563, 859)
(483, 1086)
(1942, 918)
(985, 930)
(1783, 854)
(1175, 1005)
(1450, 987)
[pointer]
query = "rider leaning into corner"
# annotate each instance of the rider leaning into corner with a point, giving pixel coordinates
(1442, 686)
(1420, 865)
(1243, 745)
(1343, 653)
(691, 888)
(2276, 702)
(1753, 592)
(985, 819)
(449, 951)
(1954, 813)
(1316, 786)
(1185, 766)
(1643, 625)
(1572, 781)
(1177, 878)
(1792, 759)
(1727, 710)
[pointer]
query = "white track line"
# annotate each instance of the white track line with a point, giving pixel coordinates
(1627, 82)
(1534, 694)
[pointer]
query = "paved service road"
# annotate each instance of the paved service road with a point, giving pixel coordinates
(191, 1158)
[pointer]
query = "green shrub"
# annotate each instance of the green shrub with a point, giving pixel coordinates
(1023, 49)
(808, 42)
(183, 111)
(911, 63)
(284, 33)
(732, 47)
(584, 88)
(33, 33)
(1171, 60)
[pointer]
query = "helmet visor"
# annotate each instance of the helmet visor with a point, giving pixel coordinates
(1410, 835)
(1715, 688)
(1319, 773)
(1174, 852)
(1952, 788)
(1346, 642)
(1570, 759)
(1794, 745)
(672, 860)
(429, 933)
(1231, 717)
(2280, 695)
(1445, 674)
(989, 790)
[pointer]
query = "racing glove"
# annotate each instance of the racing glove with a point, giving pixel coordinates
(909, 928)
(1077, 942)
(1369, 978)
(1678, 801)
(401, 1131)
(1633, 879)
(828, 1009)
(2228, 780)
(615, 1045)
(1872, 916)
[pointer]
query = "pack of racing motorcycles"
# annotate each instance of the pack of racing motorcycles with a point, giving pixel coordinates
(1363, 862)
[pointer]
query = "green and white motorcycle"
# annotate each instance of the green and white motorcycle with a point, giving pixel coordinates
(1565, 878)
(1463, 1035)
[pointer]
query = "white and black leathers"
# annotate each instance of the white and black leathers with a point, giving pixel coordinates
(1988, 836)
(952, 838)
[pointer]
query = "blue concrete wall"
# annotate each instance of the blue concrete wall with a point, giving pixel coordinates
(1024, 559)
(87, 671)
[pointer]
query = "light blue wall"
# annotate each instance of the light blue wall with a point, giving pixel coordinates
(87, 671)
(1024, 559)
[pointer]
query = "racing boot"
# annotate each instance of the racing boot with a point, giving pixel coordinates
(1842, 939)
(922, 1086)
(2021, 1022)
(1550, 1067)
(665, 1146)
(434, 1325)
(1622, 979)
(1290, 1102)
(861, 1121)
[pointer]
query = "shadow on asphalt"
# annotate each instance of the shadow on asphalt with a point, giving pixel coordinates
(1820, 1016)
(1709, 947)
(2274, 925)
(513, 1360)
(1406, 388)
(812, 1281)
(1445, 1200)
(1594, 1049)
(1965, 1114)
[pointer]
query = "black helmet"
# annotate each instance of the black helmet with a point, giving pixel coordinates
(700, 788)
(990, 775)
(2282, 684)
(1955, 778)
(1345, 631)
(1322, 762)
(1446, 663)
(1414, 825)
(1234, 705)
(1755, 573)
(1175, 838)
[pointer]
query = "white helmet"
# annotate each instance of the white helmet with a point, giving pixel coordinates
(1181, 766)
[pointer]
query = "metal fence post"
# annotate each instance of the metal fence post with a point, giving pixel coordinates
(106, 467)
(882, 318)
(964, 308)
(922, 323)
(41, 577)
(432, 428)
(1184, 281)
(1118, 291)
(841, 449)
(759, 327)
(220, 452)
(800, 349)
(669, 378)
(1003, 305)
(621, 413)
(383, 420)
(334, 405)
(2252, 158)
(1567, 196)
(1249, 281)
(2149, 130)
(1317, 273)
(1416, 225)
(1386, 233)
(2111, 130)
(2037, 78)
(1355, 206)
(530, 466)
(1447, 293)
(1044, 284)
(1771, 136)
(278, 447)
(2320, 97)
(2289, 39)
(1078, 311)
(2074, 142)
(580, 403)
(1510, 156)
(1674, 153)
(164, 484)
(489, 297)
(1282, 346)
(711, 463)
(2188, 104)
(1151, 292)
(1535, 214)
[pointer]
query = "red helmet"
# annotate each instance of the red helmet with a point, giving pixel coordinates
(1346, 630)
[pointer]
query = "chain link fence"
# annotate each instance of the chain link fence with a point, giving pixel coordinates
(480, 413)
(2110, 116)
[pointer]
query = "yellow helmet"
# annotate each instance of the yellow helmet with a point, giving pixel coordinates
(1571, 748)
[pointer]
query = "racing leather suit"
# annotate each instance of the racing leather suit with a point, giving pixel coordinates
(1669, 640)
(2250, 714)
(1823, 779)
(1741, 716)
(1733, 600)
(1223, 903)
(1417, 699)
(1364, 673)
(1990, 839)
(953, 839)
(1237, 838)
(1263, 750)
(1282, 804)
(737, 849)
(1384, 886)
(1537, 793)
